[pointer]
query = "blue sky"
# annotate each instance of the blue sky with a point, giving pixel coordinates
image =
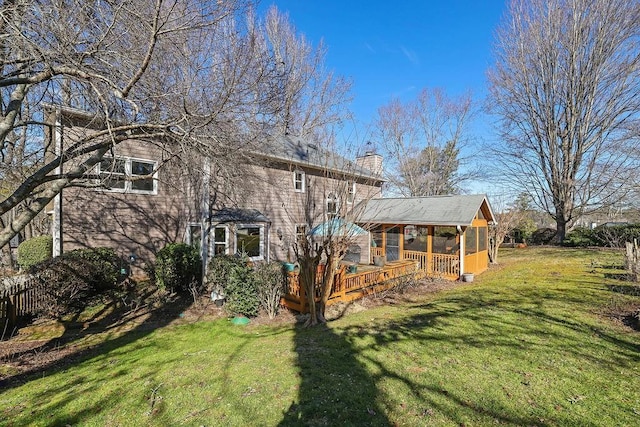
(394, 49)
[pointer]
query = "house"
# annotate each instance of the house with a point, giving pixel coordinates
(446, 235)
(140, 197)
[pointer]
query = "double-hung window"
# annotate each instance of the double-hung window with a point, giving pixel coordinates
(332, 206)
(351, 191)
(298, 181)
(128, 175)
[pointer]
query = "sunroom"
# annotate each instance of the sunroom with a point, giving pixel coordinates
(447, 236)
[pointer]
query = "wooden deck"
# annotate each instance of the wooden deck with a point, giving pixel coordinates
(350, 286)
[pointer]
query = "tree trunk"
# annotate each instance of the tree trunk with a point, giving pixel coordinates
(561, 230)
(308, 269)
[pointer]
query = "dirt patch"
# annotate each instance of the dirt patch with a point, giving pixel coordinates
(626, 315)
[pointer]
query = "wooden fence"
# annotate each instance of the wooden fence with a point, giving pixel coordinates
(434, 265)
(349, 286)
(20, 296)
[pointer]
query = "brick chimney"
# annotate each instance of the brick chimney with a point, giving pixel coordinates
(371, 161)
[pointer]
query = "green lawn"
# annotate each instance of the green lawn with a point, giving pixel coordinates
(528, 343)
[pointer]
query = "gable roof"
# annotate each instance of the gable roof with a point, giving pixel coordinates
(298, 151)
(434, 210)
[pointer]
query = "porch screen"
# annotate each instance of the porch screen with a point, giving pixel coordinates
(415, 238)
(444, 240)
(482, 239)
(471, 241)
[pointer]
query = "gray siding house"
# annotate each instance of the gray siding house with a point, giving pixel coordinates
(137, 207)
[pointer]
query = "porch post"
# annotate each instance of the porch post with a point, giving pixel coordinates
(429, 266)
(462, 249)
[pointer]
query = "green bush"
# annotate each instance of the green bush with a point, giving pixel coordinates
(580, 237)
(616, 236)
(233, 277)
(178, 266)
(270, 281)
(34, 250)
(542, 236)
(74, 279)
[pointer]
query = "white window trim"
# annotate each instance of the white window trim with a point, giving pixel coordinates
(332, 198)
(128, 176)
(302, 180)
(213, 242)
(261, 245)
(351, 192)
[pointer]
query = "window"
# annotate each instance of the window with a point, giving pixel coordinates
(351, 191)
(332, 206)
(220, 241)
(194, 235)
(250, 241)
(130, 175)
(301, 232)
(298, 181)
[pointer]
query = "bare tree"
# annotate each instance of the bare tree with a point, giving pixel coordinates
(309, 97)
(507, 220)
(329, 212)
(422, 142)
(192, 75)
(565, 87)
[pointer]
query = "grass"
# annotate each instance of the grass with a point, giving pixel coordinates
(528, 343)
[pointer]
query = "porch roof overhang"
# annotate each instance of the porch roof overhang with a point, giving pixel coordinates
(458, 210)
(239, 215)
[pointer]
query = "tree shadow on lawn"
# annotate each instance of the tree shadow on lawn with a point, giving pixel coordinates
(70, 349)
(335, 389)
(431, 326)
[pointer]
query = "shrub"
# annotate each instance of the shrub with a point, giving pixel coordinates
(178, 267)
(542, 236)
(579, 237)
(34, 250)
(270, 280)
(73, 279)
(616, 236)
(236, 280)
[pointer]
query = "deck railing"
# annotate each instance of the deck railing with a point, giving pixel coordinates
(348, 286)
(376, 251)
(438, 265)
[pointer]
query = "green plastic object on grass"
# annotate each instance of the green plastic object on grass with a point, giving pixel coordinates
(240, 320)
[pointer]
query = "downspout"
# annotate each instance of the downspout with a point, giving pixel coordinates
(56, 219)
(205, 218)
(460, 232)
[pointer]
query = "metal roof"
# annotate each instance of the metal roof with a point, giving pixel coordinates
(296, 150)
(435, 210)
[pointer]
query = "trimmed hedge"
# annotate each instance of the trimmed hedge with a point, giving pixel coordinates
(34, 250)
(178, 266)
